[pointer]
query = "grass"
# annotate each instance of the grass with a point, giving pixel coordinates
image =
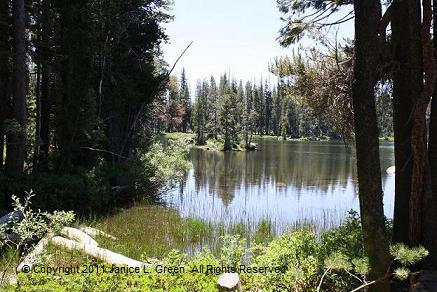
(211, 143)
(9, 259)
(149, 230)
(152, 231)
(387, 139)
(178, 135)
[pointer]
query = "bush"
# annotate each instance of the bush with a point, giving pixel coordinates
(89, 191)
(77, 190)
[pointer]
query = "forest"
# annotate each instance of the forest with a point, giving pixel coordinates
(99, 132)
(301, 104)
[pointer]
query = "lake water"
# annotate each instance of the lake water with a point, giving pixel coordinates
(284, 182)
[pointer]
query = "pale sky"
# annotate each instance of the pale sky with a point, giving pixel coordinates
(228, 35)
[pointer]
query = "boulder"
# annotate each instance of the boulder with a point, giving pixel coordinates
(229, 282)
(391, 170)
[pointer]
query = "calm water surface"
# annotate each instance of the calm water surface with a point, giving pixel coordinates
(284, 182)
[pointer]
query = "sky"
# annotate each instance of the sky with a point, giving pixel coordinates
(236, 36)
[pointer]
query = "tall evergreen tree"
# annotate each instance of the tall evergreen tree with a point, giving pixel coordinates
(201, 112)
(213, 108)
(16, 138)
(268, 105)
(375, 240)
(4, 74)
(186, 101)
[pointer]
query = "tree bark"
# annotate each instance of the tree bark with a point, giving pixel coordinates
(423, 223)
(432, 143)
(367, 16)
(4, 73)
(45, 96)
(407, 86)
(16, 140)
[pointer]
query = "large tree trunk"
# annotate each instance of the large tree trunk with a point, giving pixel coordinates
(44, 100)
(4, 73)
(422, 226)
(432, 143)
(407, 86)
(4, 85)
(16, 140)
(367, 16)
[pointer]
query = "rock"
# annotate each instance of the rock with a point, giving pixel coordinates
(11, 217)
(391, 170)
(9, 220)
(229, 282)
(252, 147)
(281, 184)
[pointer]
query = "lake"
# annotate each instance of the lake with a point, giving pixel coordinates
(284, 182)
(256, 195)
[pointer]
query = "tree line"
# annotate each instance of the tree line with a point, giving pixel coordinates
(310, 98)
(77, 80)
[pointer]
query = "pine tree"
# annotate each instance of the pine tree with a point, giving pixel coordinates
(201, 112)
(186, 101)
(213, 108)
(268, 106)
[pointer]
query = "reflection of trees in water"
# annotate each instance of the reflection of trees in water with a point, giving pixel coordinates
(315, 166)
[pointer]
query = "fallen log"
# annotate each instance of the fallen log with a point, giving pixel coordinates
(78, 240)
(105, 255)
(96, 232)
(78, 235)
(31, 258)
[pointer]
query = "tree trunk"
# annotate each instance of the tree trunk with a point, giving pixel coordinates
(4, 73)
(16, 140)
(45, 99)
(367, 16)
(423, 223)
(432, 143)
(407, 86)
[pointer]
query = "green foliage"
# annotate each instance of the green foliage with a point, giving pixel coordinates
(33, 225)
(345, 239)
(165, 164)
(298, 252)
(264, 232)
(406, 255)
(307, 16)
(338, 261)
(233, 250)
(304, 261)
(402, 273)
(78, 190)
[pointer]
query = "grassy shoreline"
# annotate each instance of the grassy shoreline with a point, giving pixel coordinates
(216, 145)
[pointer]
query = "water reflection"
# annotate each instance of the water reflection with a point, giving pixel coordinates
(283, 181)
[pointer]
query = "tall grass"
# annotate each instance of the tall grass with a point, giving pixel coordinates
(150, 231)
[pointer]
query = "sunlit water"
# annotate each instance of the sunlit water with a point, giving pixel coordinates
(284, 182)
